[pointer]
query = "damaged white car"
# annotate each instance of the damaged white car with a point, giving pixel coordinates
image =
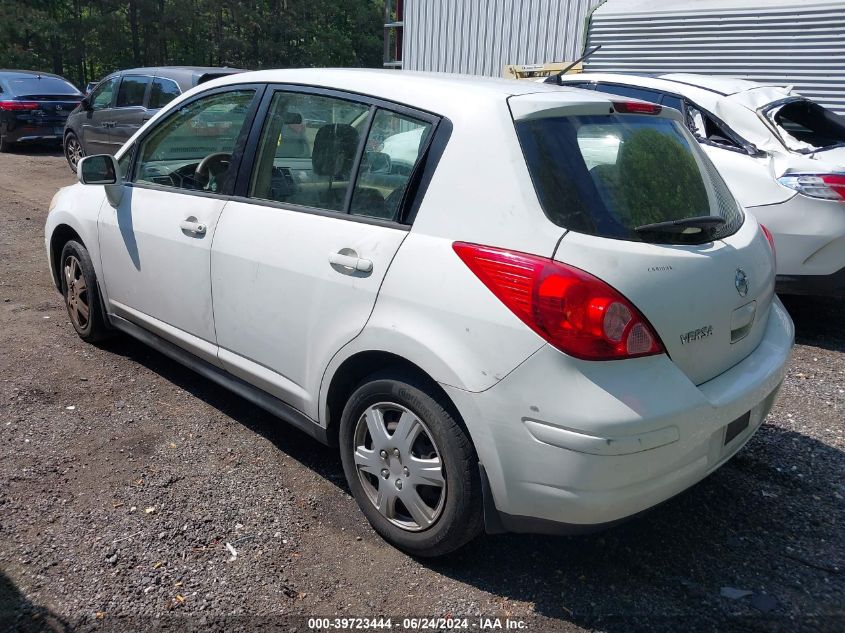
(782, 155)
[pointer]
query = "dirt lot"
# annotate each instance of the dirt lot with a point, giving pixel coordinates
(123, 476)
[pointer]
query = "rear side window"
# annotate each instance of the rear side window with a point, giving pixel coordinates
(162, 92)
(608, 175)
(805, 126)
(131, 91)
(393, 148)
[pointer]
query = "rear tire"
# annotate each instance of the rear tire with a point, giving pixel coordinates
(81, 293)
(418, 482)
(5, 145)
(73, 150)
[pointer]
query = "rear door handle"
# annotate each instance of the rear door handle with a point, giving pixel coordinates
(190, 225)
(351, 260)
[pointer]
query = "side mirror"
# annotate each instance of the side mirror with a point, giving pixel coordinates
(102, 169)
(85, 103)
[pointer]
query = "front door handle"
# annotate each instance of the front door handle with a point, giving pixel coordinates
(347, 258)
(190, 225)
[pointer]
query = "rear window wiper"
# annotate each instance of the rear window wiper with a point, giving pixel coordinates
(685, 225)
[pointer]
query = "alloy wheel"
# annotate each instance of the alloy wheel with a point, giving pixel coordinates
(73, 151)
(76, 292)
(399, 466)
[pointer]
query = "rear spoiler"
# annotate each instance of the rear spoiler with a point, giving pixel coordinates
(563, 102)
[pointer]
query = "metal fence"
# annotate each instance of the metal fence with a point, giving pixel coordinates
(784, 42)
(480, 37)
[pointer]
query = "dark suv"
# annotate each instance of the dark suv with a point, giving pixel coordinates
(34, 106)
(122, 102)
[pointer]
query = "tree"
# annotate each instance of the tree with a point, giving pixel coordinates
(87, 39)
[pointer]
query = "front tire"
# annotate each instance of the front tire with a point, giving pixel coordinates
(81, 293)
(410, 466)
(73, 151)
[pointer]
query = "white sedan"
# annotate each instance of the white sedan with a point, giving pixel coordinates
(782, 155)
(509, 306)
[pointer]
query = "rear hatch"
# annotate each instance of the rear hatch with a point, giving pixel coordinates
(648, 213)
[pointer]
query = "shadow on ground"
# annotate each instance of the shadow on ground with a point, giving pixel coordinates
(767, 522)
(22, 616)
(819, 321)
(36, 149)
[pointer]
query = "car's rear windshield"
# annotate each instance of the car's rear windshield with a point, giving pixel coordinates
(805, 126)
(41, 86)
(611, 175)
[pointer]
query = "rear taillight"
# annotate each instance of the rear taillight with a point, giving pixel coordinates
(771, 239)
(636, 107)
(824, 186)
(577, 313)
(18, 105)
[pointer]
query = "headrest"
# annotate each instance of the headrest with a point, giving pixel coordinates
(334, 150)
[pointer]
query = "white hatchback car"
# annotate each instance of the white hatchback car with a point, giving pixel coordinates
(547, 315)
(782, 155)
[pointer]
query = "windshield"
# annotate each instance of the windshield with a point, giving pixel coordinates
(42, 85)
(805, 126)
(609, 175)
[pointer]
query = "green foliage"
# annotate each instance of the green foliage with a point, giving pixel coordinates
(669, 183)
(86, 39)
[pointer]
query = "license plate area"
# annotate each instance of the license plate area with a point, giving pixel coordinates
(736, 427)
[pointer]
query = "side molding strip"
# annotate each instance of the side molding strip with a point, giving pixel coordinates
(215, 374)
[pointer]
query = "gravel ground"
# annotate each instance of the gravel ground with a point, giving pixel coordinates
(125, 479)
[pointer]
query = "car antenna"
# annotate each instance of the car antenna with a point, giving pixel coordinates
(575, 63)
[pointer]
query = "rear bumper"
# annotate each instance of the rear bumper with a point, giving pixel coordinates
(50, 131)
(570, 446)
(810, 242)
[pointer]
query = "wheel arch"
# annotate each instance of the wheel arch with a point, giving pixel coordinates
(361, 364)
(61, 235)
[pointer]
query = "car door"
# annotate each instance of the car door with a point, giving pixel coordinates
(155, 246)
(129, 111)
(300, 254)
(96, 128)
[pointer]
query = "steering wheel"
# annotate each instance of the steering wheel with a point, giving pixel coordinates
(212, 166)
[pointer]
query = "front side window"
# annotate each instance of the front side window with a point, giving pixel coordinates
(612, 175)
(393, 147)
(131, 91)
(307, 148)
(124, 162)
(102, 97)
(192, 148)
(805, 126)
(162, 92)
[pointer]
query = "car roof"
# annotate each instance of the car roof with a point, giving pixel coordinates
(186, 76)
(443, 93)
(30, 73)
(705, 90)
